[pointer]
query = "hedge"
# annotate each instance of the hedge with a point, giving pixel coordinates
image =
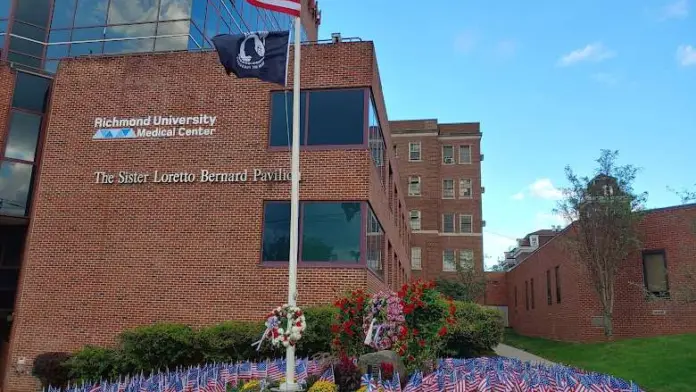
(161, 346)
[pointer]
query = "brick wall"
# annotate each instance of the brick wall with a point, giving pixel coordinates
(496, 289)
(672, 230)
(432, 137)
(102, 258)
(7, 80)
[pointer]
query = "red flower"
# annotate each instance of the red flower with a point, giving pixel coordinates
(402, 350)
(442, 331)
(335, 328)
(415, 332)
(411, 358)
(403, 332)
(421, 343)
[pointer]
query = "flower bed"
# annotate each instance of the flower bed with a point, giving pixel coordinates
(468, 375)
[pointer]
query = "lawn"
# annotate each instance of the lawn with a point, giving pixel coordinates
(659, 364)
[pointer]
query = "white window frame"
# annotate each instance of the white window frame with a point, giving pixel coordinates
(462, 187)
(414, 181)
(448, 160)
(416, 258)
(459, 157)
(414, 148)
(461, 254)
(454, 222)
(417, 219)
(471, 223)
(449, 266)
(450, 195)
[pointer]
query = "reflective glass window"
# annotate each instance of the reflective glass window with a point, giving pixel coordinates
(172, 43)
(331, 231)
(198, 13)
(91, 13)
(63, 14)
(132, 11)
(23, 136)
(175, 9)
(276, 231)
(336, 117)
(31, 92)
(15, 181)
(375, 244)
(250, 16)
(23, 59)
(35, 12)
(5, 6)
(212, 20)
(25, 45)
(132, 45)
(3, 26)
(51, 66)
(195, 39)
(58, 51)
(94, 34)
(281, 118)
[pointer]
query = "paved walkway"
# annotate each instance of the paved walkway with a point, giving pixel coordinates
(507, 351)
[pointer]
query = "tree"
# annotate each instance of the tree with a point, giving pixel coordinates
(686, 196)
(469, 285)
(605, 211)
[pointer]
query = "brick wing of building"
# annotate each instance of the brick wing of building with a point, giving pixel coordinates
(162, 178)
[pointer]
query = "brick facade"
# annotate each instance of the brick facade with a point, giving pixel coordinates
(431, 170)
(670, 229)
(103, 258)
(7, 80)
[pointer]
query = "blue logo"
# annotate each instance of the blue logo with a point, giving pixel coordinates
(114, 133)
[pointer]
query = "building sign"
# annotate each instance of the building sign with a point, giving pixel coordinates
(153, 127)
(157, 177)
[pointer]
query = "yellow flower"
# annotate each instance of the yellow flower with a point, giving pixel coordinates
(253, 385)
(364, 389)
(323, 386)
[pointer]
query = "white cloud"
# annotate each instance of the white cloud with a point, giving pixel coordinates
(518, 196)
(543, 188)
(605, 78)
(595, 52)
(686, 55)
(544, 220)
(465, 41)
(495, 246)
(676, 10)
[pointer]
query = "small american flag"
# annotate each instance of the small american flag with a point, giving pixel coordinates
(290, 7)
(414, 383)
(313, 367)
(244, 371)
(276, 370)
(328, 375)
(301, 370)
(259, 370)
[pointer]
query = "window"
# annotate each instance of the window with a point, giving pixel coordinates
(549, 299)
(526, 294)
(331, 232)
(15, 182)
(416, 258)
(376, 141)
(414, 186)
(531, 287)
(466, 259)
(375, 244)
(63, 13)
(465, 188)
(327, 117)
(31, 92)
(336, 117)
(448, 261)
(23, 136)
(465, 223)
(464, 154)
(448, 223)
(415, 220)
(448, 155)
(655, 273)
(124, 11)
(276, 232)
(91, 13)
(448, 189)
(172, 43)
(414, 151)
(35, 12)
(558, 284)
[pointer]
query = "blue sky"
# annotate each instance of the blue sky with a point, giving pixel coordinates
(552, 83)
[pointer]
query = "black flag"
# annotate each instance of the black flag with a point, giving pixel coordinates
(262, 55)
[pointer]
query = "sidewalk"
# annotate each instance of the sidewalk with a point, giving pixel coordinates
(508, 351)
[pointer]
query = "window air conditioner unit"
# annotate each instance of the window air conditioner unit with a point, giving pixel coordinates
(483, 223)
(481, 158)
(449, 160)
(483, 189)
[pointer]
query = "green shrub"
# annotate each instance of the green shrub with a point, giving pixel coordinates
(95, 363)
(317, 336)
(477, 331)
(51, 369)
(231, 341)
(158, 347)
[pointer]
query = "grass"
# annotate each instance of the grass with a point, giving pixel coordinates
(658, 364)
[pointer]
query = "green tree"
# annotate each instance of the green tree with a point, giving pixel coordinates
(605, 211)
(468, 286)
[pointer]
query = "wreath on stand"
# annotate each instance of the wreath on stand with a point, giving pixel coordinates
(384, 320)
(284, 326)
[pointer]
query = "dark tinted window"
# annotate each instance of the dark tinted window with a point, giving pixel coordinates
(23, 59)
(91, 13)
(63, 14)
(276, 231)
(336, 117)
(7, 299)
(24, 133)
(33, 11)
(31, 92)
(374, 244)
(5, 8)
(281, 118)
(8, 277)
(51, 66)
(15, 180)
(331, 232)
(25, 45)
(3, 26)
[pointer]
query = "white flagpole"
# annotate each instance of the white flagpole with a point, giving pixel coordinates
(290, 384)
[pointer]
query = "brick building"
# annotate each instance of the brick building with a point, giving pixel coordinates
(550, 296)
(440, 169)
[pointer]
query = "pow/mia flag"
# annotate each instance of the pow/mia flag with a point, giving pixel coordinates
(262, 54)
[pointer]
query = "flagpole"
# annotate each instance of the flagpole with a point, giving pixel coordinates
(290, 384)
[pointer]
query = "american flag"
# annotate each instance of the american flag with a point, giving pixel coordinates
(301, 370)
(328, 375)
(313, 367)
(276, 370)
(259, 370)
(430, 382)
(290, 7)
(244, 371)
(369, 382)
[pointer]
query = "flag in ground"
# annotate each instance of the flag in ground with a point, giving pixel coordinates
(290, 7)
(262, 55)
